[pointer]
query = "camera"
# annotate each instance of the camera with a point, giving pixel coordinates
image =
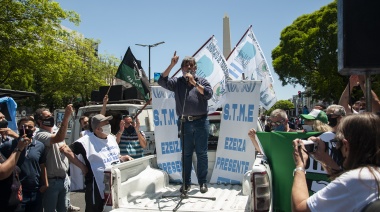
(310, 146)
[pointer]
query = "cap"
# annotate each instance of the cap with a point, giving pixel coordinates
(316, 115)
(95, 120)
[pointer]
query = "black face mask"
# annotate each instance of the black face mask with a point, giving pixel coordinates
(49, 122)
(332, 121)
(85, 127)
(28, 132)
(3, 123)
(130, 129)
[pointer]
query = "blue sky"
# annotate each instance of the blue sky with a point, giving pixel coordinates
(185, 27)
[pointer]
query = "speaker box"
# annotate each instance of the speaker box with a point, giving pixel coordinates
(115, 93)
(132, 93)
(95, 96)
(358, 37)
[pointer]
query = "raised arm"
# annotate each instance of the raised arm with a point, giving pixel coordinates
(140, 135)
(105, 101)
(61, 134)
(172, 64)
(345, 97)
(375, 99)
(7, 167)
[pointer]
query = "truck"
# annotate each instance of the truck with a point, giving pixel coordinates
(139, 185)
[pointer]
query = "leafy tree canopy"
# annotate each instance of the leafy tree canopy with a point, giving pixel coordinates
(281, 104)
(37, 54)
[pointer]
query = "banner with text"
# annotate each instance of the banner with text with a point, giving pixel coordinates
(279, 151)
(235, 153)
(168, 145)
(212, 66)
(248, 58)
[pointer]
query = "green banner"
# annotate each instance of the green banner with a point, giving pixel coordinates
(278, 149)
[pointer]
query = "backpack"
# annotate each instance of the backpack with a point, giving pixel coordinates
(16, 188)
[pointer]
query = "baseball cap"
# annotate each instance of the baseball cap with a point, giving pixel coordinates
(95, 120)
(316, 115)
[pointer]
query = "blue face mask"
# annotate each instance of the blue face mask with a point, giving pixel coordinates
(280, 128)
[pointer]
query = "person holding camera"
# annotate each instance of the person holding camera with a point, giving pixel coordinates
(354, 186)
(32, 160)
(6, 133)
(9, 156)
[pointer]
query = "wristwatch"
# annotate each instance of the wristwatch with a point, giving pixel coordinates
(17, 150)
(196, 84)
(299, 169)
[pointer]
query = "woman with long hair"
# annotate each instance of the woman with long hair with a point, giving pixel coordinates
(354, 186)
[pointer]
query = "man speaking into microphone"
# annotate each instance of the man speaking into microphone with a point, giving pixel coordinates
(191, 94)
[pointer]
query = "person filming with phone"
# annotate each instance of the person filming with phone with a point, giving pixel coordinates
(358, 182)
(191, 94)
(131, 140)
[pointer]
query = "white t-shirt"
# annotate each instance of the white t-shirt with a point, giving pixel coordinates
(351, 191)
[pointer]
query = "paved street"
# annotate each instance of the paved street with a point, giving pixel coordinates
(77, 199)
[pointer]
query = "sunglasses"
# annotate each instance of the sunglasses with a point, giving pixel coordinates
(276, 123)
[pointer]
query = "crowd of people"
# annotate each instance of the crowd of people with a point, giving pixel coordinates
(348, 148)
(40, 158)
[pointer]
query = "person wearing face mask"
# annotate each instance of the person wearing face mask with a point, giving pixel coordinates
(326, 154)
(130, 139)
(278, 122)
(7, 134)
(99, 150)
(57, 195)
(191, 94)
(358, 183)
(315, 121)
(33, 175)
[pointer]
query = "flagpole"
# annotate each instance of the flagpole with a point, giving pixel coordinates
(239, 42)
(195, 53)
(140, 110)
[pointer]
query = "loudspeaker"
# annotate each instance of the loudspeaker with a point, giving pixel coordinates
(115, 93)
(358, 37)
(132, 93)
(95, 96)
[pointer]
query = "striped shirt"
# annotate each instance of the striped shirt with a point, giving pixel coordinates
(130, 144)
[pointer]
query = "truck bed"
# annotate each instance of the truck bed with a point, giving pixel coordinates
(138, 186)
(228, 198)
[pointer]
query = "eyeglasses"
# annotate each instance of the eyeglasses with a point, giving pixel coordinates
(276, 123)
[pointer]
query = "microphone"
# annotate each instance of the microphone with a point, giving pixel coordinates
(187, 78)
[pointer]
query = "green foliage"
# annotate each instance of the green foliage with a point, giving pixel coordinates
(281, 104)
(38, 55)
(307, 54)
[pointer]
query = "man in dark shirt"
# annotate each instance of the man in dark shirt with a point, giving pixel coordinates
(33, 174)
(191, 96)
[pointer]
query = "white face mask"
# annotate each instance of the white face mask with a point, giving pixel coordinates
(308, 128)
(106, 129)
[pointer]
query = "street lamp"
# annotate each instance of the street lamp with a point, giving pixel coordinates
(149, 46)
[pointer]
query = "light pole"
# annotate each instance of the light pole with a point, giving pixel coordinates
(150, 46)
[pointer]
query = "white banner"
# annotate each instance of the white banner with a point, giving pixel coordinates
(168, 145)
(212, 66)
(235, 153)
(248, 58)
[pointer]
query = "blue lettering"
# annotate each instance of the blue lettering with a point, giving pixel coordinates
(231, 165)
